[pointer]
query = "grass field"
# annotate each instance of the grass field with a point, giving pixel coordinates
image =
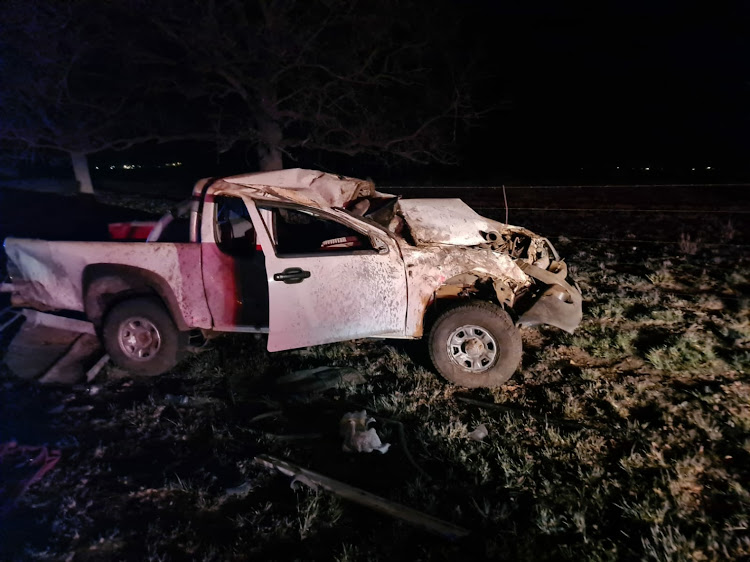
(629, 439)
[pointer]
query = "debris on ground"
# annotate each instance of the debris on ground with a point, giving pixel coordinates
(53, 349)
(181, 400)
(21, 466)
(479, 433)
(293, 436)
(72, 410)
(241, 490)
(34, 349)
(362, 497)
(71, 367)
(96, 369)
(401, 436)
(357, 437)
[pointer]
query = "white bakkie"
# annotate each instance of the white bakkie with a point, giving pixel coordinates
(308, 258)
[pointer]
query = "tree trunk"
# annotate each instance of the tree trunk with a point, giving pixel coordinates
(81, 171)
(270, 156)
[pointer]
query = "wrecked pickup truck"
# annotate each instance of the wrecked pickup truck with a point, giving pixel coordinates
(308, 258)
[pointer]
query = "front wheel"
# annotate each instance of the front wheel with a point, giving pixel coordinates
(141, 337)
(475, 345)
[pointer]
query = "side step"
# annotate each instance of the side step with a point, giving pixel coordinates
(36, 318)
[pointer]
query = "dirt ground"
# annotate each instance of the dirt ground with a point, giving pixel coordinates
(629, 439)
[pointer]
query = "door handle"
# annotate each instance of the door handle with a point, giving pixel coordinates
(291, 275)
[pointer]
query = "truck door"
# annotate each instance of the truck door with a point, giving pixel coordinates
(234, 270)
(328, 280)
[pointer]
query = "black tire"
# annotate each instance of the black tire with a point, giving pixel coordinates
(489, 325)
(141, 337)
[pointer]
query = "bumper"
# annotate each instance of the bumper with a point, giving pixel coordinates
(561, 305)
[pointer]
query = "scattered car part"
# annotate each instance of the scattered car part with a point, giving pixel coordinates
(559, 305)
(362, 497)
(353, 427)
(479, 433)
(70, 368)
(51, 348)
(97, 367)
(22, 466)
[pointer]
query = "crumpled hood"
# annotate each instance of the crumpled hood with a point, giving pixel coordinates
(449, 221)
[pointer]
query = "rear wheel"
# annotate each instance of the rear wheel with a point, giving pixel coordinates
(141, 337)
(475, 345)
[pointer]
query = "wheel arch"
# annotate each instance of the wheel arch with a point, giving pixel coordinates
(105, 285)
(464, 287)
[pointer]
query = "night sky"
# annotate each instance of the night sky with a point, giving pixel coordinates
(582, 96)
(642, 87)
(640, 93)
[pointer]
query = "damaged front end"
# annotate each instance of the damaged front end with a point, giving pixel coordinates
(557, 300)
(460, 254)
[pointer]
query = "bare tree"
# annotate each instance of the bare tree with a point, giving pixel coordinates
(67, 84)
(341, 76)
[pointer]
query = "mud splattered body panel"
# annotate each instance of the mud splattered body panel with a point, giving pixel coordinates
(339, 296)
(50, 275)
(428, 268)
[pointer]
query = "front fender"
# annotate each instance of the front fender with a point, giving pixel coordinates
(561, 305)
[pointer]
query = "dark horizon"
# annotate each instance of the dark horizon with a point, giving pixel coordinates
(640, 94)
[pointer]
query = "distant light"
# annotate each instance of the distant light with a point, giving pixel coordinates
(111, 167)
(96, 167)
(618, 167)
(647, 169)
(708, 167)
(692, 169)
